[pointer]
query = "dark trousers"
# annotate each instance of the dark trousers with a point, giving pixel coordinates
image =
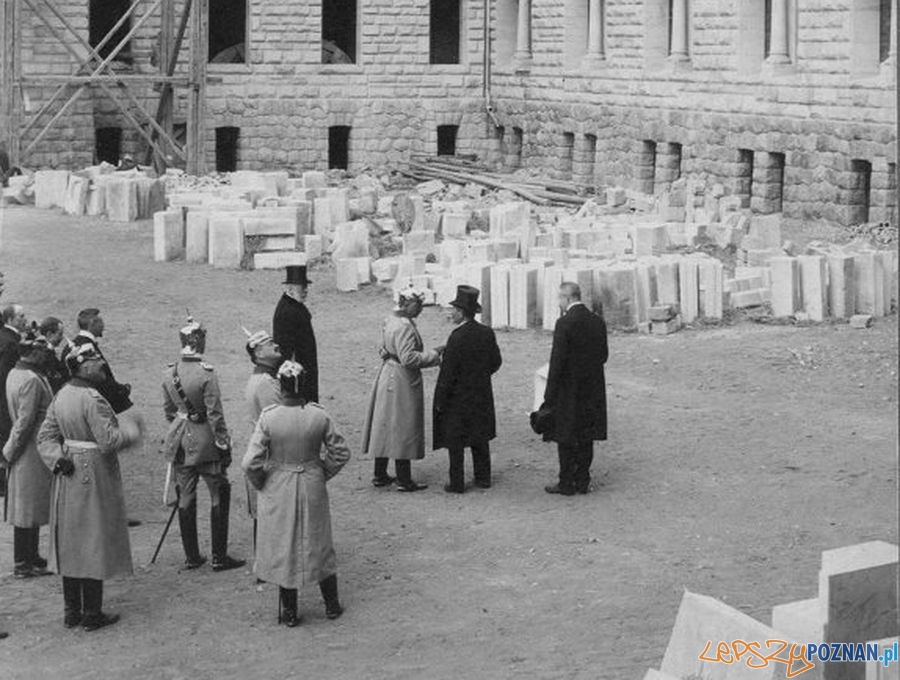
(402, 468)
(481, 465)
(83, 596)
(187, 476)
(575, 460)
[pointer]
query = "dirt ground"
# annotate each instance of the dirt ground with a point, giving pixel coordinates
(736, 456)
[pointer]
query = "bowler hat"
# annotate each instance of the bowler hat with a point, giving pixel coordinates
(296, 274)
(467, 300)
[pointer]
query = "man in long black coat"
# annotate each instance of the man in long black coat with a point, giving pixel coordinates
(292, 327)
(14, 324)
(576, 390)
(463, 397)
(90, 330)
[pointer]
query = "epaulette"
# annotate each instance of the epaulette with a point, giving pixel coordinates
(208, 367)
(269, 408)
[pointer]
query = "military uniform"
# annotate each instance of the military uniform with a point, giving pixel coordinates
(262, 391)
(198, 445)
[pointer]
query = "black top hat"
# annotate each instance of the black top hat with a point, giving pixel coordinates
(467, 300)
(296, 274)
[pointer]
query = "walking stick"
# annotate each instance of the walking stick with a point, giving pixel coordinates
(164, 534)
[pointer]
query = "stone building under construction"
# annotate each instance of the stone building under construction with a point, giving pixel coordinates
(788, 103)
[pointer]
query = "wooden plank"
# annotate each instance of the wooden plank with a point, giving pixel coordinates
(196, 159)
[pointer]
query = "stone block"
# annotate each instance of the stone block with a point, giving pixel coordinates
(95, 203)
(197, 236)
(667, 282)
(76, 196)
(662, 313)
(665, 327)
(278, 260)
(411, 265)
(313, 246)
(478, 274)
(226, 242)
(582, 274)
(550, 312)
(151, 196)
(453, 224)
(523, 299)
(858, 596)
(168, 235)
(121, 199)
(418, 242)
(346, 275)
(385, 269)
(418, 204)
(688, 289)
(500, 296)
(479, 251)
(314, 179)
(748, 298)
(351, 239)
(322, 220)
(507, 218)
(711, 280)
(364, 269)
(615, 292)
(841, 285)
(340, 209)
(615, 197)
(801, 620)
(504, 249)
(814, 286)
(50, 188)
(261, 226)
(540, 385)
(861, 321)
(650, 239)
(385, 206)
(766, 229)
(703, 621)
(785, 285)
(452, 252)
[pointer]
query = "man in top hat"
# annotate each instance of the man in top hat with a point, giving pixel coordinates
(90, 330)
(198, 445)
(292, 327)
(263, 390)
(463, 396)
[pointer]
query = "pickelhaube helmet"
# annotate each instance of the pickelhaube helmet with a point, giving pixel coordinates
(193, 334)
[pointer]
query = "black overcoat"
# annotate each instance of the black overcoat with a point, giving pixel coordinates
(463, 406)
(293, 332)
(117, 394)
(576, 385)
(9, 355)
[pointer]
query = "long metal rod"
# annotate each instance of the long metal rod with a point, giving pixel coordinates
(137, 79)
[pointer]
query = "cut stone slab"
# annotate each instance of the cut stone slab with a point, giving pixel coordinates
(766, 229)
(667, 292)
(76, 196)
(749, 298)
(226, 242)
(814, 286)
(650, 239)
(278, 260)
(313, 246)
(866, 282)
(50, 188)
(861, 321)
(662, 313)
(261, 226)
(523, 300)
(197, 237)
(553, 278)
(665, 327)
(801, 620)
(645, 290)
(505, 249)
(711, 279)
(785, 286)
(340, 209)
(418, 243)
(453, 224)
(121, 199)
(385, 269)
(688, 289)
(701, 620)
(410, 265)
(351, 239)
(314, 179)
(322, 222)
(479, 251)
(95, 203)
(841, 285)
(509, 218)
(858, 595)
(478, 274)
(615, 290)
(151, 196)
(168, 236)
(364, 269)
(452, 253)
(347, 275)
(584, 277)
(500, 296)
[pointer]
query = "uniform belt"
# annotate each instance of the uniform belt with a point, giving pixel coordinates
(391, 357)
(82, 445)
(288, 467)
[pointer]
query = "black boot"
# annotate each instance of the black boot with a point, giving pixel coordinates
(38, 563)
(187, 523)
(288, 612)
(329, 588)
(21, 553)
(72, 599)
(219, 527)
(92, 594)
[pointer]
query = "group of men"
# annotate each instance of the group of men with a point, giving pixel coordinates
(59, 427)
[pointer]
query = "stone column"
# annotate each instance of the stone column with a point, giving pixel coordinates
(892, 38)
(679, 42)
(522, 57)
(596, 24)
(778, 33)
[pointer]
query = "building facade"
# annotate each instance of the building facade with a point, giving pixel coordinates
(788, 103)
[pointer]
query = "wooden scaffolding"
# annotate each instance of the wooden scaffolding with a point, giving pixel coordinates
(89, 69)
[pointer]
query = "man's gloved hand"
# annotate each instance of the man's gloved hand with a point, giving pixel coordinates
(224, 455)
(64, 466)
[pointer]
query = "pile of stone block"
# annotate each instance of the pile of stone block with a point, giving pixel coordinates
(100, 191)
(856, 605)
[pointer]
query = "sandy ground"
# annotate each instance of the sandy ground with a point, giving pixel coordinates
(736, 455)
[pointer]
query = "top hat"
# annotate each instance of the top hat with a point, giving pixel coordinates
(296, 274)
(467, 300)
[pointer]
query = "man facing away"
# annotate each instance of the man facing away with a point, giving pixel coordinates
(576, 390)
(90, 330)
(198, 445)
(463, 397)
(292, 327)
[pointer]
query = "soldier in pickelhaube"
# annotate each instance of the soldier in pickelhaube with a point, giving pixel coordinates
(198, 445)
